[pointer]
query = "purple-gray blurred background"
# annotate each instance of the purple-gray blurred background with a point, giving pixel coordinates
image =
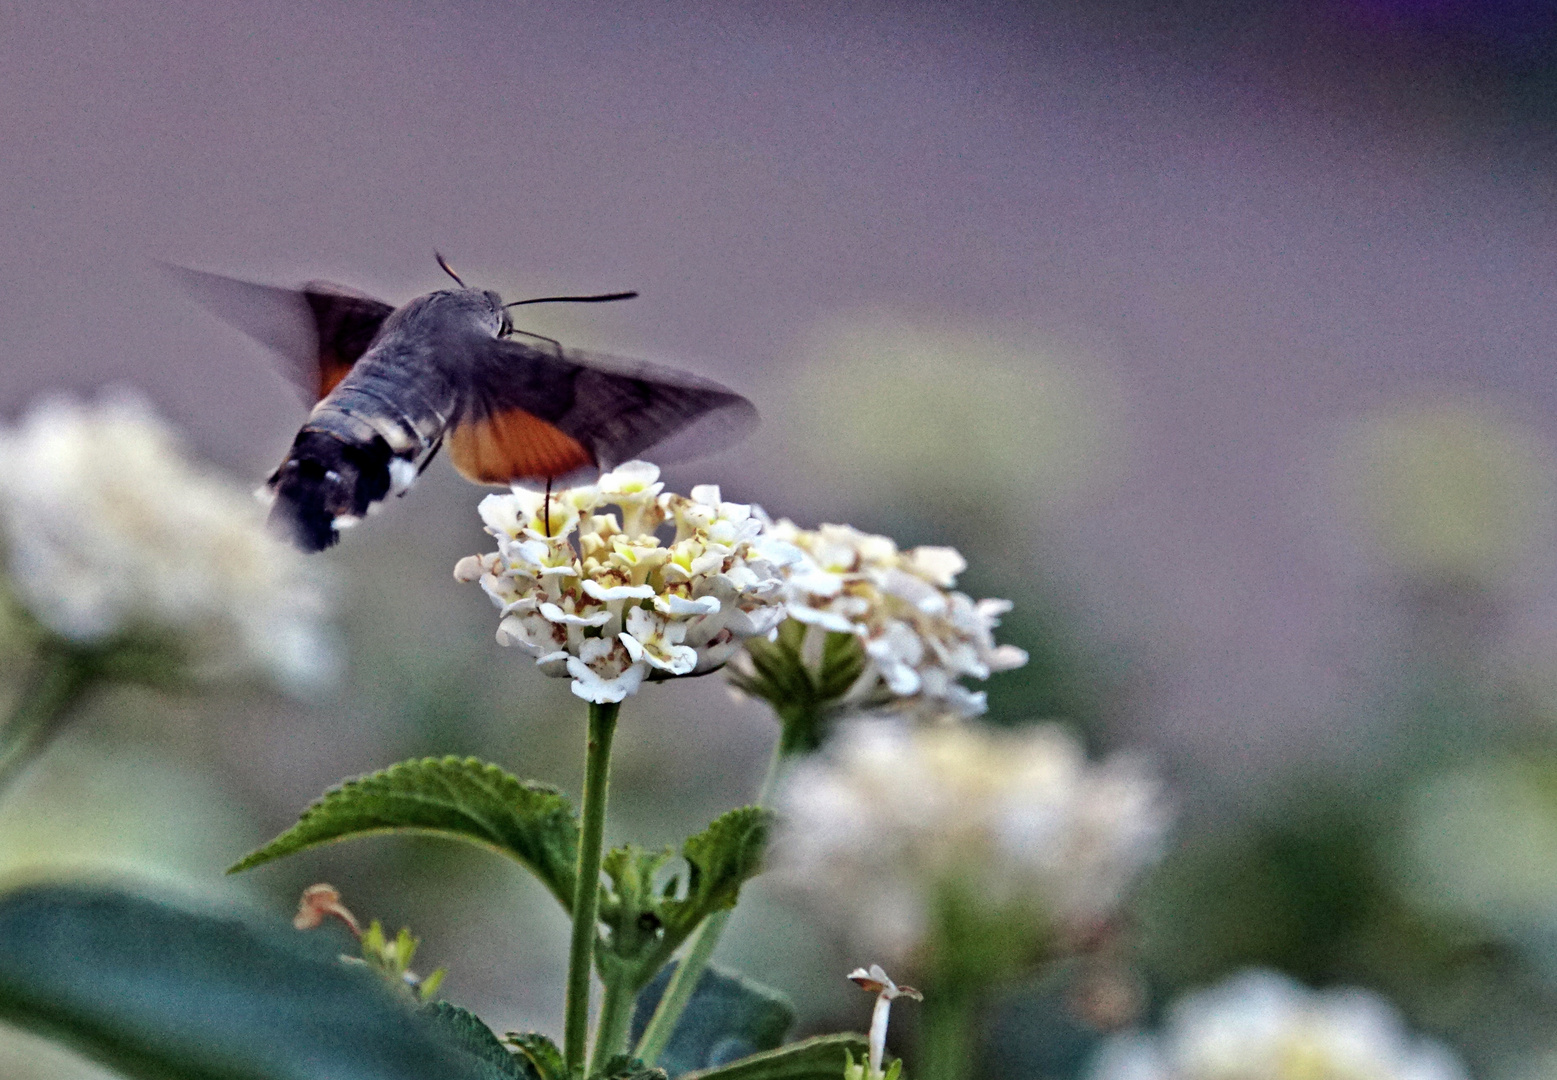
(1174, 323)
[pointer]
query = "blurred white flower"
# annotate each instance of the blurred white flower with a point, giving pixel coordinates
(918, 636)
(888, 821)
(1448, 489)
(111, 529)
(984, 412)
(604, 601)
(1261, 1025)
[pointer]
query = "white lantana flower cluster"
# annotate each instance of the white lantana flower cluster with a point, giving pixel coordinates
(919, 635)
(599, 598)
(877, 829)
(109, 529)
(1261, 1025)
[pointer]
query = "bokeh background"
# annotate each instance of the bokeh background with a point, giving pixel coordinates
(1219, 339)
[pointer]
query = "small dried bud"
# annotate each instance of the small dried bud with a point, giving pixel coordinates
(877, 982)
(320, 901)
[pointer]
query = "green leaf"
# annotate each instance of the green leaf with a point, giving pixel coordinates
(427, 989)
(462, 1029)
(720, 859)
(821, 1058)
(647, 924)
(162, 993)
(627, 1067)
(631, 872)
(464, 799)
(541, 1053)
(728, 1017)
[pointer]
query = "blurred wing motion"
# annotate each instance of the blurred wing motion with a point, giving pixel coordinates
(389, 386)
(532, 414)
(320, 330)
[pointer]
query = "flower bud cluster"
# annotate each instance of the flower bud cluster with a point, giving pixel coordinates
(919, 635)
(1035, 844)
(600, 598)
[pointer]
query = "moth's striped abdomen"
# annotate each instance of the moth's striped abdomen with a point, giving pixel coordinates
(363, 442)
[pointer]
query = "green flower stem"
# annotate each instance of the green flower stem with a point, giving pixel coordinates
(678, 992)
(701, 945)
(616, 1016)
(946, 1050)
(57, 685)
(586, 884)
(800, 730)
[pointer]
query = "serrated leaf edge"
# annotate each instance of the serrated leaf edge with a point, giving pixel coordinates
(270, 851)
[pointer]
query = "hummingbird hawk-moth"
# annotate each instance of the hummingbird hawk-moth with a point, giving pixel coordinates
(391, 385)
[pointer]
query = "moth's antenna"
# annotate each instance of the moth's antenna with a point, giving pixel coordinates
(447, 269)
(601, 299)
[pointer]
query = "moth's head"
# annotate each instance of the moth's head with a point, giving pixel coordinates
(484, 304)
(490, 310)
(478, 308)
(493, 313)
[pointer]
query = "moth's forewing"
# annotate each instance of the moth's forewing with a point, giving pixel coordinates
(319, 331)
(531, 413)
(636, 407)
